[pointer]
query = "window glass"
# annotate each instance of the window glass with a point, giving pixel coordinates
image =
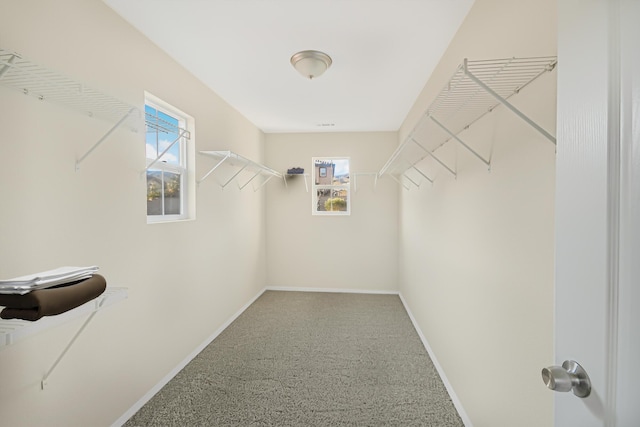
(166, 139)
(162, 131)
(331, 186)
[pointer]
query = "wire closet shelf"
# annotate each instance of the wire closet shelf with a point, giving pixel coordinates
(44, 84)
(475, 89)
(242, 166)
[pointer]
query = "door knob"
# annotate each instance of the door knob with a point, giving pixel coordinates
(568, 377)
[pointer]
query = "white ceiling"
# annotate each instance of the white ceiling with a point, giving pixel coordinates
(383, 52)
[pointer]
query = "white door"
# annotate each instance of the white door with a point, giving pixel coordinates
(597, 296)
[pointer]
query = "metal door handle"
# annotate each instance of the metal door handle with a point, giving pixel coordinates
(568, 377)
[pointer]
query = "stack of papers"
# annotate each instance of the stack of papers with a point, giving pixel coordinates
(46, 279)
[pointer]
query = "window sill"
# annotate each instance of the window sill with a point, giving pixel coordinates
(168, 221)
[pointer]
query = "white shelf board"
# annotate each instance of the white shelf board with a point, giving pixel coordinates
(12, 330)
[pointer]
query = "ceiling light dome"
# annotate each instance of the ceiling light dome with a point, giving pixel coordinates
(311, 63)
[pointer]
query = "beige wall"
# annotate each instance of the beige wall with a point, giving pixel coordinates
(185, 279)
(358, 251)
(477, 253)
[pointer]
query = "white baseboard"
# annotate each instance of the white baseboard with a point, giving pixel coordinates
(144, 399)
(452, 394)
(329, 290)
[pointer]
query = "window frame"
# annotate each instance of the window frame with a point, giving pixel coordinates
(332, 188)
(184, 168)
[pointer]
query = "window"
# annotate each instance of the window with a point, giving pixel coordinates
(167, 162)
(331, 186)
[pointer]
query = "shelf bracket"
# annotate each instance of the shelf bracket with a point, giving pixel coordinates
(233, 176)
(398, 181)
(263, 183)
(7, 65)
(423, 174)
(213, 169)
(411, 181)
(355, 179)
(440, 162)
(392, 159)
(508, 104)
(43, 383)
(244, 164)
(454, 136)
(304, 175)
(250, 179)
(105, 136)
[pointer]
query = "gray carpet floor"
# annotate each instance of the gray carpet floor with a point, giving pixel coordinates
(308, 359)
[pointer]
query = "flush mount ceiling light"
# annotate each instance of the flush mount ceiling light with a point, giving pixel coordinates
(311, 63)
